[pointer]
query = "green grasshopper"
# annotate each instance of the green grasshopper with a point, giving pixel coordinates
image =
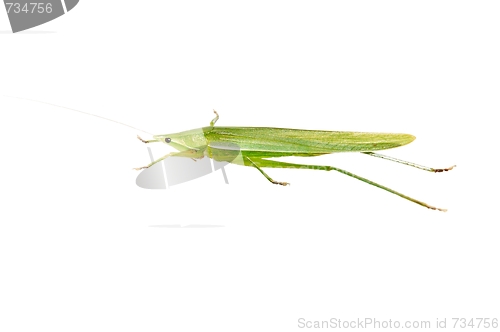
(253, 145)
(250, 146)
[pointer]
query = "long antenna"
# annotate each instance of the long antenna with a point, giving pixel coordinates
(74, 110)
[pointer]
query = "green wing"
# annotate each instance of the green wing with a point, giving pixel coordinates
(279, 142)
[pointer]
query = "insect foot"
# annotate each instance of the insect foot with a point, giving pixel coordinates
(281, 183)
(438, 170)
(436, 208)
(139, 168)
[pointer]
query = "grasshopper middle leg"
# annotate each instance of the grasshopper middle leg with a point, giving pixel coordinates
(264, 173)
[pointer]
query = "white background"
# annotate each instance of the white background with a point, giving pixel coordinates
(77, 250)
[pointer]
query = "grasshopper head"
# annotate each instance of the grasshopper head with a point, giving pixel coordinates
(186, 140)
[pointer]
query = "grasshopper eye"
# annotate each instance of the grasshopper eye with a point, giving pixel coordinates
(168, 140)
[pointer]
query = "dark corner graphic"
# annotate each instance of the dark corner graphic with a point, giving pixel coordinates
(25, 15)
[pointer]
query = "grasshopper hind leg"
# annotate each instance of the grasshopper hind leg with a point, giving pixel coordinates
(408, 163)
(278, 164)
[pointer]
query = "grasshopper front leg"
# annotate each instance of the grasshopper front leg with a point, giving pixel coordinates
(145, 141)
(212, 123)
(186, 154)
